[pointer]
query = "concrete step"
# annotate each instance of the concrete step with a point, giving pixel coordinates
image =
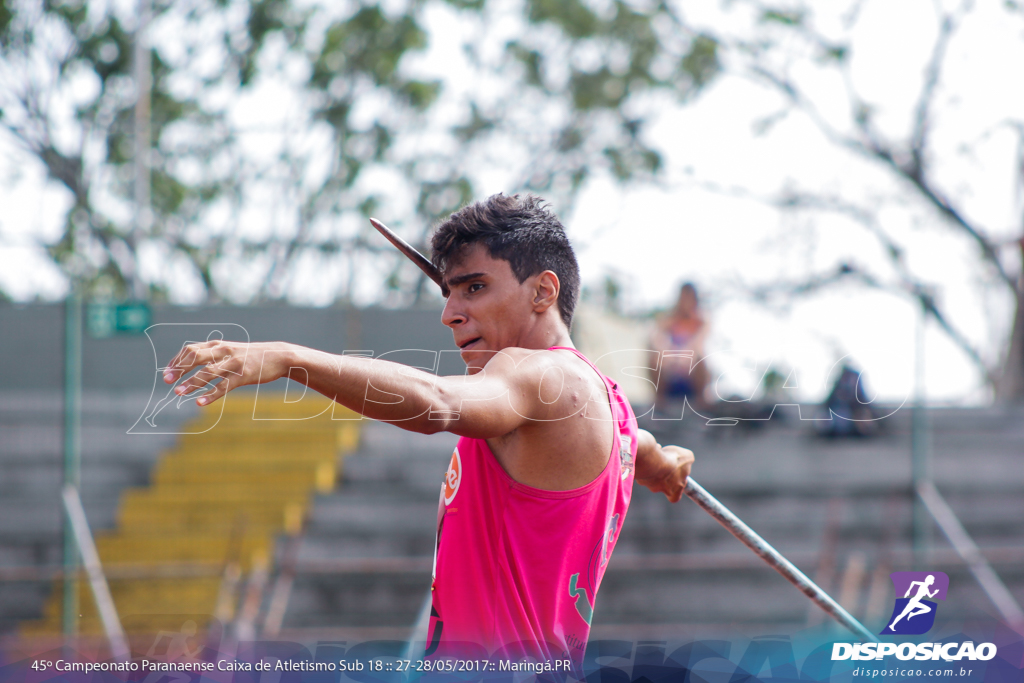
(37, 481)
(31, 475)
(796, 520)
(377, 599)
(752, 593)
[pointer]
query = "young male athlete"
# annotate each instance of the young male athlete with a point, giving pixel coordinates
(539, 484)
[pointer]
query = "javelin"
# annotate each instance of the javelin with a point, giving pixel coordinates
(416, 257)
(695, 492)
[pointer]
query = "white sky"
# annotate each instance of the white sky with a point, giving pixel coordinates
(689, 233)
(654, 238)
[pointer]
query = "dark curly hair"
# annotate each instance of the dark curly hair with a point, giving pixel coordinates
(517, 229)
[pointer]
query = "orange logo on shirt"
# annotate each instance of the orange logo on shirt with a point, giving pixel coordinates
(453, 478)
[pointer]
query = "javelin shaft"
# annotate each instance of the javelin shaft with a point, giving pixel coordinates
(695, 491)
(416, 257)
(774, 558)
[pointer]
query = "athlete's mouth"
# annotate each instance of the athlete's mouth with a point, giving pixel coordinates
(469, 343)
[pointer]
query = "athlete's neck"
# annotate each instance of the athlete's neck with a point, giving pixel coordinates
(546, 336)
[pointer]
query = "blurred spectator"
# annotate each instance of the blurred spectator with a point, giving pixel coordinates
(679, 338)
(848, 406)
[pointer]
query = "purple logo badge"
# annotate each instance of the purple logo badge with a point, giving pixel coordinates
(914, 612)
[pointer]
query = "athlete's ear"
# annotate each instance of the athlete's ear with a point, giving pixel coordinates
(545, 291)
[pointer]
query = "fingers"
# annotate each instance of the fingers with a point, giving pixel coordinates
(214, 393)
(214, 360)
(676, 482)
(201, 379)
(190, 357)
(683, 455)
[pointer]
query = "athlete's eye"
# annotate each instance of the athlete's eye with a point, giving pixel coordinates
(474, 287)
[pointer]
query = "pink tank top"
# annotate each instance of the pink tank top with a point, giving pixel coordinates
(516, 568)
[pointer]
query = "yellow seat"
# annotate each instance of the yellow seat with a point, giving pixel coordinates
(217, 500)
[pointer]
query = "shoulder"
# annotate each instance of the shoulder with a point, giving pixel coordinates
(529, 361)
(558, 380)
(539, 360)
(535, 365)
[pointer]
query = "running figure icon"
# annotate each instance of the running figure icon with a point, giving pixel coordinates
(915, 607)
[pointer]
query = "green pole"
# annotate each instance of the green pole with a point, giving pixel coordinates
(920, 447)
(72, 450)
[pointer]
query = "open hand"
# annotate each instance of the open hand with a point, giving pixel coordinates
(235, 364)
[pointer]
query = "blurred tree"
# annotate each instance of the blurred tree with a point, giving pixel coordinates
(277, 127)
(67, 97)
(807, 53)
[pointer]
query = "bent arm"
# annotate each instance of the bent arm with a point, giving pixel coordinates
(490, 403)
(662, 469)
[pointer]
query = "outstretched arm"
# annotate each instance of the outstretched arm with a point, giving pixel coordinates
(662, 469)
(508, 392)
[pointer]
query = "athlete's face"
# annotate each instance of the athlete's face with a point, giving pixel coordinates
(488, 308)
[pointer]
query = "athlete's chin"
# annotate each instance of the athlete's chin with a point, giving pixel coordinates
(475, 359)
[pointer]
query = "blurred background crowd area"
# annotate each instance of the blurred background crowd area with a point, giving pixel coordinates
(800, 234)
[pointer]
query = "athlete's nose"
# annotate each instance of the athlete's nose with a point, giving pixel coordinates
(450, 316)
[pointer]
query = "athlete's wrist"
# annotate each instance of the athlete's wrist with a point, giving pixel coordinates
(283, 360)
